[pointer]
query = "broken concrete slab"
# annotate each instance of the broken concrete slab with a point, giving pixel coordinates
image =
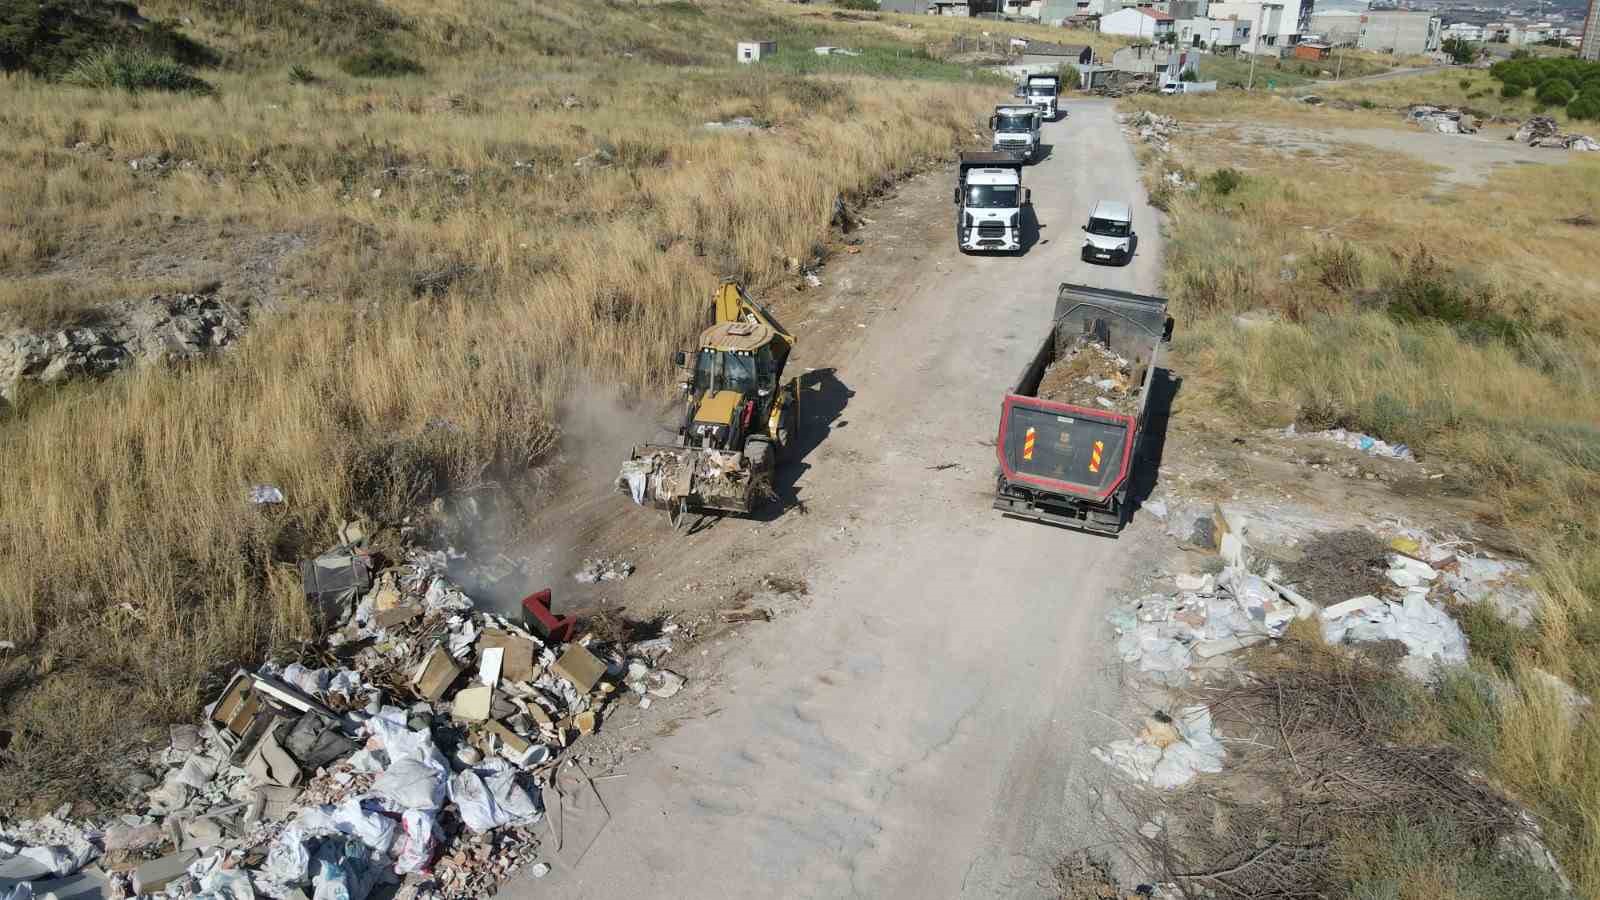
(435, 675)
(154, 876)
(269, 764)
(517, 653)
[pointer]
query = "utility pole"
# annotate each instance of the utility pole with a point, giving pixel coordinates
(1340, 67)
(1255, 45)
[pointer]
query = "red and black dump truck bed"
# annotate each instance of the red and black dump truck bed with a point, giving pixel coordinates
(1064, 460)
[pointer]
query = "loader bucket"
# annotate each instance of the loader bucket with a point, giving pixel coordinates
(686, 479)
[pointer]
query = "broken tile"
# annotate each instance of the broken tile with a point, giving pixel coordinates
(580, 667)
(472, 704)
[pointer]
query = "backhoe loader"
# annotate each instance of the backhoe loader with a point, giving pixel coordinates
(739, 417)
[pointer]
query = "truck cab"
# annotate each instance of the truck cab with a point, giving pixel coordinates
(1016, 130)
(989, 198)
(1043, 93)
(1108, 235)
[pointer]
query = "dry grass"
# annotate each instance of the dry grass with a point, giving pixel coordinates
(1459, 322)
(1469, 88)
(464, 274)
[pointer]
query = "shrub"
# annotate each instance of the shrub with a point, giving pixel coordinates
(48, 38)
(1223, 182)
(1465, 84)
(864, 5)
(1586, 106)
(301, 75)
(1367, 104)
(380, 62)
(1556, 92)
(135, 70)
(1510, 90)
(1461, 52)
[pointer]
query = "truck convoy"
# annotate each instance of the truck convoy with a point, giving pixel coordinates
(989, 198)
(738, 418)
(1043, 92)
(1072, 426)
(1016, 130)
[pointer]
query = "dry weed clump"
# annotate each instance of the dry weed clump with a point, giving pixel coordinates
(482, 241)
(1324, 798)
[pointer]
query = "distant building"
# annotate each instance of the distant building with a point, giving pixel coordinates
(1138, 22)
(1464, 31)
(1216, 35)
(754, 51)
(1150, 60)
(1337, 27)
(1267, 23)
(1400, 33)
(1042, 52)
(1589, 48)
(915, 7)
(1311, 50)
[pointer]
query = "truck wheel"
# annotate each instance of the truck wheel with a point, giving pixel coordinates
(786, 433)
(758, 451)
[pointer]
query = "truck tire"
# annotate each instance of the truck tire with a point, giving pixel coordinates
(758, 450)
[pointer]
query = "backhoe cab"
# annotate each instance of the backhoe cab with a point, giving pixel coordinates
(738, 419)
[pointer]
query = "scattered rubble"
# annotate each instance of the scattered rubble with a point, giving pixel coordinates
(1543, 131)
(1443, 120)
(425, 744)
(1355, 440)
(602, 569)
(737, 123)
(1090, 374)
(1152, 128)
(159, 328)
(1168, 752)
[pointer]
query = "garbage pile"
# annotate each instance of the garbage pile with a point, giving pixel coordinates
(1090, 374)
(594, 571)
(1168, 752)
(1355, 440)
(424, 744)
(1543, 131)
(1444, 120)
(1153, 128)
(1207, 617)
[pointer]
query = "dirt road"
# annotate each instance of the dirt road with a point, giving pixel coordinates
(921, 728)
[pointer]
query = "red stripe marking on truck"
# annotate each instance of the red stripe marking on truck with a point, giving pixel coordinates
(1027, 445)
(1094, 457)
(1052, 484)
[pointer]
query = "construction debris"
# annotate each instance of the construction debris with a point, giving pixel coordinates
(1355, 440)
(1168, 752)
(1442, 119)
(1091, 375)
(1152, 128)
(596, 570)
(1543, 131)
(423, 754)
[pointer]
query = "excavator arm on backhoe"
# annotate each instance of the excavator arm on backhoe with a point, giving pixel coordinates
(731, 304)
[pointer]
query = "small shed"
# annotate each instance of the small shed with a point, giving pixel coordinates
(754, 51)
(1311, 50)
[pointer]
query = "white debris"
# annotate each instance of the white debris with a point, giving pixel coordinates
(601, 569)
(1171, 756)
(1500, 583)
(1430, 636)
(1355, 440)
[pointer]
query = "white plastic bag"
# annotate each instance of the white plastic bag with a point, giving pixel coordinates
(412, 783)
(419, 843)
(342, 871)
(475, 803)
(288, 859)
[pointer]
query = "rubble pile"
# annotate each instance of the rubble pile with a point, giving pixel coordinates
(1166, 634)
(425, 744)
(1168, 752)
(1355, 440)
(594, 571)
(1090, 374)
(161, 328)
(1153, 128)
(1543, 131)
(1445, 120)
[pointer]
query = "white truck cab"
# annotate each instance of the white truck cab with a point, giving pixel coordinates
(989, 198)
(1016, 130)
(1109, 237)
(1043, 92)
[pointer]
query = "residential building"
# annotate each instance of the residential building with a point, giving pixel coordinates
(1150, 59)
(1400, 32)
(1266, 21)
(1464, 31)
(1139, 22)
(1589, 47)
(1337, 27)
(915, 7)
(1058, 12)
(1216, 35)
(1023, 9)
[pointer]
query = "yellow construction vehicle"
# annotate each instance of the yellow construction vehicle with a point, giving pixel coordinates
(739, 417)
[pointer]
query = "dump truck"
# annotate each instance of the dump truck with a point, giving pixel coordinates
(989, 198)
(1072, 426)
(1016, 130)
(1044, 92)
(739, 417)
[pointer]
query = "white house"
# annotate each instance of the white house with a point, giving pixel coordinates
(753, 51)
(1266, 23)
(1216, 35)
(1139, 22)
(1463, 31)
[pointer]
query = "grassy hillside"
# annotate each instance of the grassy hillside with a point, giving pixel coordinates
(1458, 321)
(537, 207)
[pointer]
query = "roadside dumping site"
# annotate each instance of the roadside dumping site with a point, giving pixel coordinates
(425, 749)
